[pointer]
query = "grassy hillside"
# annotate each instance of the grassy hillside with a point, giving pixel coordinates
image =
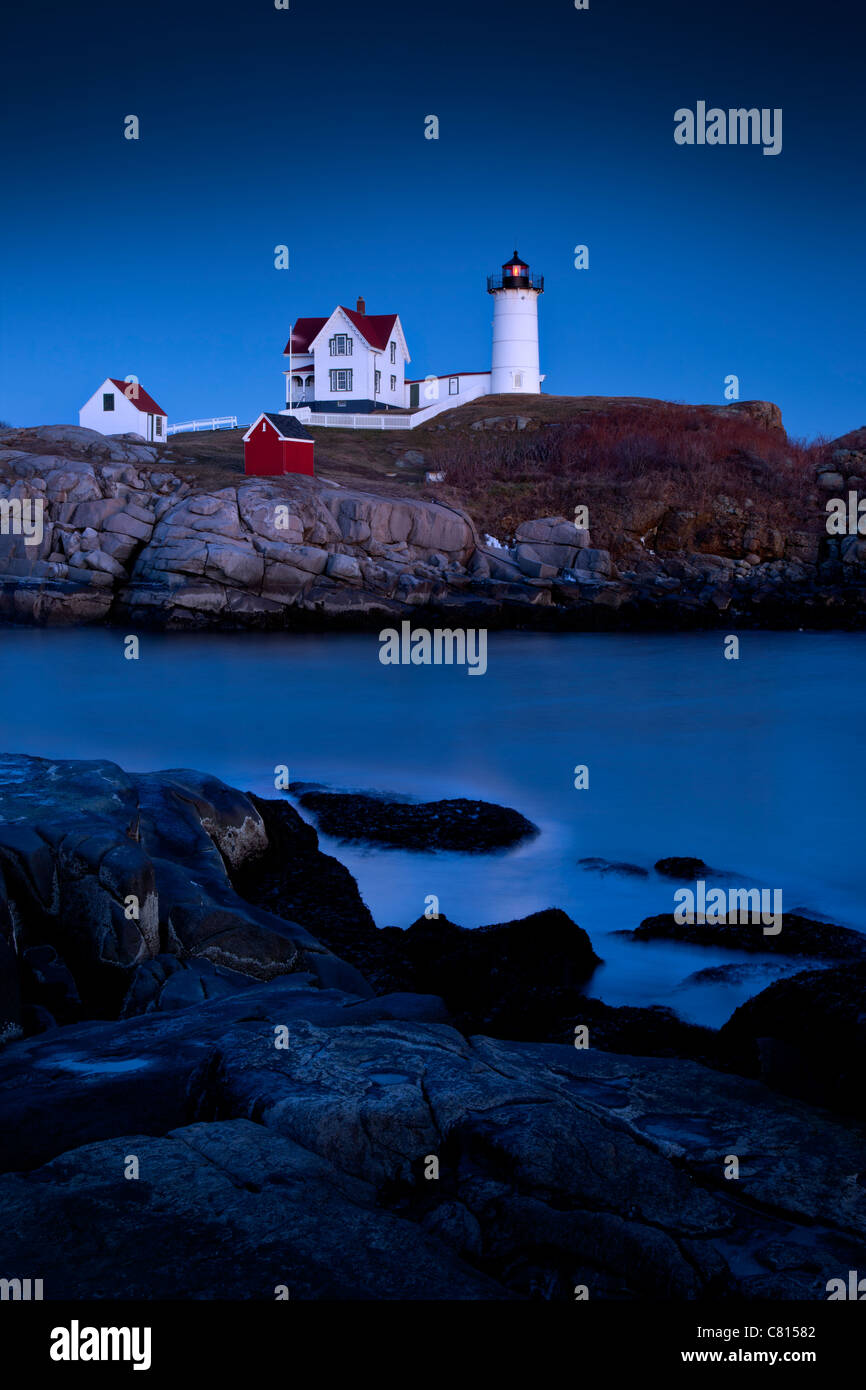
(649, 471)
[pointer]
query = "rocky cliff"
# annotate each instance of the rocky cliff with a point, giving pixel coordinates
(126, 538)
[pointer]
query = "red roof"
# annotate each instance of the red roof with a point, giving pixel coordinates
(303, 334)
(141, 400)
(376, 329)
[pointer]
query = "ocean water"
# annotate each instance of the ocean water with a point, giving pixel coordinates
(756, 765)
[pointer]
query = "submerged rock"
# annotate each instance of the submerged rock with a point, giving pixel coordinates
(457, 824)
(613, 866)
(680, 866)
(799, 936)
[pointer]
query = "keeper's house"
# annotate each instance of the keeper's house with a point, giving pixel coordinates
(124, 407)
(277, 444)
(351, 361)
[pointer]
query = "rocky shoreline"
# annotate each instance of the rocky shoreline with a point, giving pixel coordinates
(313, 1103)
(127, 540)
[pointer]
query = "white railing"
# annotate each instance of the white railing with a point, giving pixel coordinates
(385, 421)
(358, 422)
(217, 422)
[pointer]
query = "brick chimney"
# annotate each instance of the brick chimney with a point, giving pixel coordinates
(362, 308)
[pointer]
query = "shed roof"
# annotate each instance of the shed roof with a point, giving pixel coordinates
(287, 426)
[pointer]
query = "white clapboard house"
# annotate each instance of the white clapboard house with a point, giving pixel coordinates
(124, 407)
(351, 361)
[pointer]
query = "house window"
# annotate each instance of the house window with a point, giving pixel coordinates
(108, 400)
(159, 424)
(393, 383)
(393, 352)
(518, 379)
(378, 385)
(264, 426)
(341, 380)
(454, 386)
(341, 345)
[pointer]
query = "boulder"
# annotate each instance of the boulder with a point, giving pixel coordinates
(101, 560)
(458, 824)
(598, 562)
(799, 936)
(681, 866)
(515, 979)
(344, 567)
(553, 530)
(531, 564)
(105, 871)
(806, 1036)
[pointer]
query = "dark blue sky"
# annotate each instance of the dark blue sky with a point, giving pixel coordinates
(306, 127)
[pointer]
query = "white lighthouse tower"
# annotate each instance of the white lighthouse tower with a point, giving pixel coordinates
(515, 328)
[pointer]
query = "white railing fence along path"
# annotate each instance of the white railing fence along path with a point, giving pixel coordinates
(336, 420)
(217, 422)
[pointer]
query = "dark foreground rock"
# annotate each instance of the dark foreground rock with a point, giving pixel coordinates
(655, 1031)
(109, 877)
(514, 979)
(457, 824)
(806, 1036)
(293, 879)
(388, 1157)
(291, 1131)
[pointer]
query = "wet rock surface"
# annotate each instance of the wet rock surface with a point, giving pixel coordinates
(294, 1130)
(305, 1167)
(107, 877)
(458, 824)
(806, 1036)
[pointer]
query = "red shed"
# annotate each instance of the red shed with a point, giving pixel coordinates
(276, 444)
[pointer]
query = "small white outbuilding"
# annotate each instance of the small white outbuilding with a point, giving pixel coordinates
(124, 407)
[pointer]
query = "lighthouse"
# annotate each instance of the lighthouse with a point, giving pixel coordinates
(515, 291)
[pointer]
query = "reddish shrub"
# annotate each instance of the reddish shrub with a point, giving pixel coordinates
(628, 463)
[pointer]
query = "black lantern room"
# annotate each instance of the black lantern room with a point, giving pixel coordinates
(514, 275)
(515, 272)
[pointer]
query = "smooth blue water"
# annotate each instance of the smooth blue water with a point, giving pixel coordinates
(756, 765)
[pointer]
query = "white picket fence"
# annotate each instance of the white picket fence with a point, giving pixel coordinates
(351, 422)
(217, 422)
(384, 421)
